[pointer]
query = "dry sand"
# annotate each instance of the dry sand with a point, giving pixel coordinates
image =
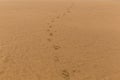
(59, 40)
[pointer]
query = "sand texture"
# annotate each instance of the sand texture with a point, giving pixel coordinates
(59, 40)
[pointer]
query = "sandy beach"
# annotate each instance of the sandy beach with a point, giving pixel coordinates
(59, 40)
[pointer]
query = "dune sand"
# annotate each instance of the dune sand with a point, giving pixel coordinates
(59, 40)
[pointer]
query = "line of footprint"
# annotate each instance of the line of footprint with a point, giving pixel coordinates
(51, 25)
(64, 72)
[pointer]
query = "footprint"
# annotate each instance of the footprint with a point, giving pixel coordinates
(51, 34)
(49, 39)
(48, 30)
(58, 17)
(68, 11)
(65, 74)
(53, 21)
(4, 59)
(2, 72)
(50, 26)
(56, 47)
(64, 14)
(56, 59)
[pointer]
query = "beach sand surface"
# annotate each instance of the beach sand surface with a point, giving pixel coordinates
(59, 40)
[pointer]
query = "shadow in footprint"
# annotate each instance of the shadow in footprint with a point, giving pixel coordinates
(56, 47)
(49, 39)
(50, 26)
(68, 11)
(58, 17)
(51, 34)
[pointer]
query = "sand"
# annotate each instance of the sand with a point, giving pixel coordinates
(59, 40)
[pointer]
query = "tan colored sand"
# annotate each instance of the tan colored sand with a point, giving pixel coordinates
(59, 40)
